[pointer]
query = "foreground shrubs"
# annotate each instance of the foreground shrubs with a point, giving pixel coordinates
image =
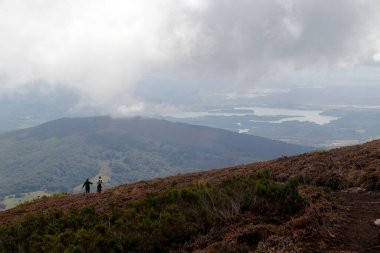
(370, 181)
(155, 223)
(332, 181)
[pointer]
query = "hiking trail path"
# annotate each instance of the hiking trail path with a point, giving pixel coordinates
(356, 231)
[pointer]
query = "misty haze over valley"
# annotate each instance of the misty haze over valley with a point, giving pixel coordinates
(324, 116)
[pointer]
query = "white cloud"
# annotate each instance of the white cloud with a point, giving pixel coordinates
(102, 49)
(376, 57)
(131, 110)
(197, 4)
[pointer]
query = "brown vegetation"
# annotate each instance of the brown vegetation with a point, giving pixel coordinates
(332, 221)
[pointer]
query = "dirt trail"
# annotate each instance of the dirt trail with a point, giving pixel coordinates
(355, 231)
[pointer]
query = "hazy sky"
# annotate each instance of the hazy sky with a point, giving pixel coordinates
(104, 50)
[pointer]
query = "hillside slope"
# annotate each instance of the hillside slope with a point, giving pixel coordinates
(61, 154)
(340, 190)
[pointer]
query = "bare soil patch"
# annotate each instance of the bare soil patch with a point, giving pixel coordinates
(355, 230)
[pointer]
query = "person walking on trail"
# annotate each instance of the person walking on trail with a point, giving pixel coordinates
(100, 183)
(87, 184)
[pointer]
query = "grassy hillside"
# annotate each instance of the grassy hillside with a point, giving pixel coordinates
(60, 155)
(317, 202)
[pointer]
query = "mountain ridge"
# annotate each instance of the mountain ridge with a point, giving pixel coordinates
(59, 155)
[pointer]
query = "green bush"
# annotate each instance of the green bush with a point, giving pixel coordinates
(370, 181)
(263, 196)
(332, 181)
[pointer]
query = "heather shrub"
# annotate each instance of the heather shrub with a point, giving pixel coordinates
(157, 222)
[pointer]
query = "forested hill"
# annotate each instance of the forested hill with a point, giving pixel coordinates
(61, 154)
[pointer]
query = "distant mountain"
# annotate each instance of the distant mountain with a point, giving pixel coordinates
(61, 154)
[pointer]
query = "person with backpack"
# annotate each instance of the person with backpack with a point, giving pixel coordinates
(87, 184)
(100, 183)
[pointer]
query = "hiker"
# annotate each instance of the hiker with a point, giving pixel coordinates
(100, 182)
(87, 185)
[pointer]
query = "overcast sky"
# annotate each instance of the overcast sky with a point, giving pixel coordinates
(103, 50)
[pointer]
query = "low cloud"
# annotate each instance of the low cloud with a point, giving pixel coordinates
(102, 50)
(134, 109)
